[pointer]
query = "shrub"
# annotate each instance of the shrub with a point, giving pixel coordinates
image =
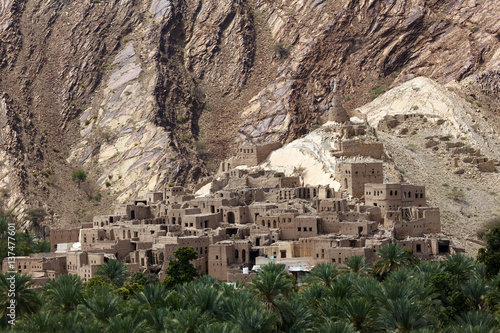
(456, 194)
(35, 174)
(185, 138)
(108, 184)
(87, 122)
(170, 185)
(48, 182)
(79, 175)
(98, 196)
(281, 50)
(148, 167)
(119, 176)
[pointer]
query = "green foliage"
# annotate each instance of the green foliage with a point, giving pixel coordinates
(107, 183)
(64, 293)
(185, 138)
(26, 300)
(392, 257)
(181, 270)
(324, 273)
(79, 175)
(148, 167)
(490, 255)
(113, 272)
(449, 296)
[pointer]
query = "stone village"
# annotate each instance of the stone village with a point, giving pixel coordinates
(252, 216)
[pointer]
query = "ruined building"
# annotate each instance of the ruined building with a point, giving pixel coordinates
(251, 217)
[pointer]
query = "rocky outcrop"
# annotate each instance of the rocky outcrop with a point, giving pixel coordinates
(119, 87)
(367, 45)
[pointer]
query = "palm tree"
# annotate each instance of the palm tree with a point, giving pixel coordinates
(26, 300)
(329, 326)
(113, 271)
(460, 265)
(357, 264)
(153, 296)
(38, 322)
(404, 315)
(296, 315)
(218, 327)
(475, 291)
(360, 312)
(392, 256)
(156, 317)
(324, 273)
(188, 320)
(128, 324)
(313, 294)
(272, 281)
(101, 303)
(476, 319)
(254, 320)
(207, 298)
(64, 293)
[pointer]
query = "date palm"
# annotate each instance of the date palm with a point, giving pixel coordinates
(272, 281)
(460, 265)
(360, 312)
(356, 264)
(329, 326)
(101, 304)
(153, 296)
(38, 322)
(64, 293)
(392, 257)
(324, 273)
(405, 315)
(113, 271)
(26, 300)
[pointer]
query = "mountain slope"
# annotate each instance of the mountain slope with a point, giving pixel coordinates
(145, 93)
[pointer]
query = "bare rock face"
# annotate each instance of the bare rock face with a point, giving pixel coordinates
(368, 45)
(118, 87)
(112, 87)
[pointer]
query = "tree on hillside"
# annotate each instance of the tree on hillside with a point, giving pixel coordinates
(181, 270)
(79, 175)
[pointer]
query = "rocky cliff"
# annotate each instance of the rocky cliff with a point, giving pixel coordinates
(145, 93)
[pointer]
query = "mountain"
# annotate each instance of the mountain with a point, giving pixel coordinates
(140, 94)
